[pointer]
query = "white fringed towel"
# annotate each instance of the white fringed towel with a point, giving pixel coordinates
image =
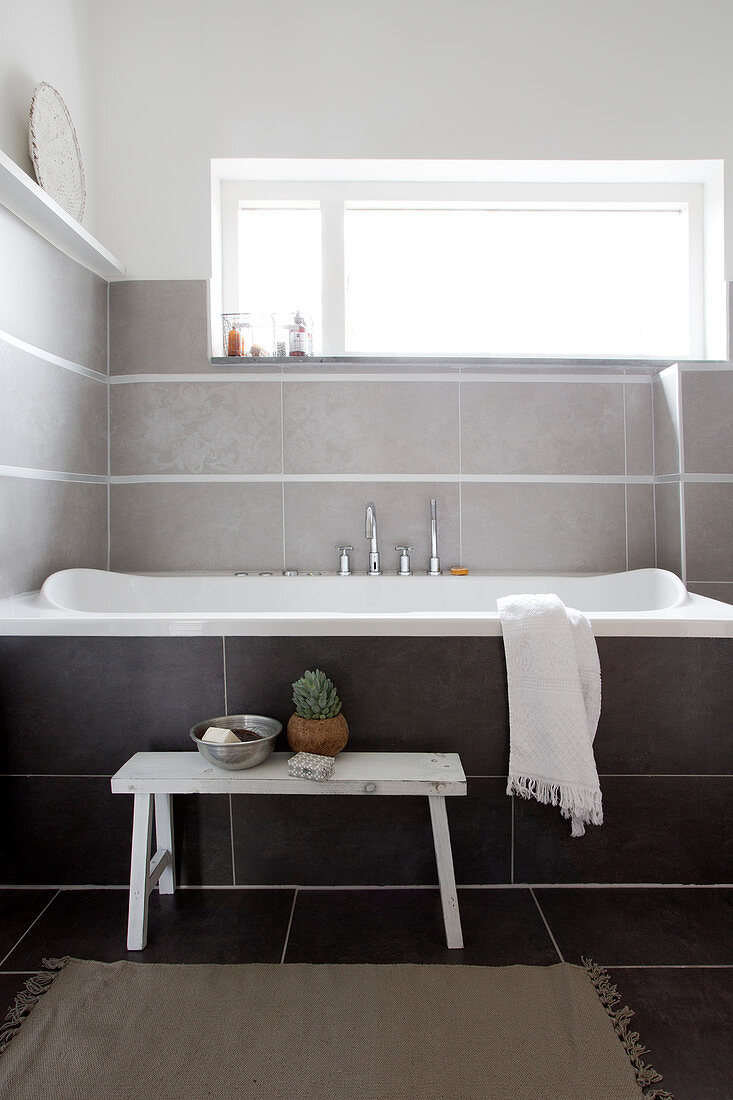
(554, 679)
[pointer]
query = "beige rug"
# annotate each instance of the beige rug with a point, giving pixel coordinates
(268, 1032)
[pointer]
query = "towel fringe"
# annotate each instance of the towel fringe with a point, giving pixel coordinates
(582, 805)
(35, 988)
(610, 997)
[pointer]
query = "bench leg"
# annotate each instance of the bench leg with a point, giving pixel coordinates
(164, 840)
(142, 835)
(446, 874)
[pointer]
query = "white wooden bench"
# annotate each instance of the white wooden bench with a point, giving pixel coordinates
(152, 777)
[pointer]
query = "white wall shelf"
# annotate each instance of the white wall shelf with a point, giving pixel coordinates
(22, 195)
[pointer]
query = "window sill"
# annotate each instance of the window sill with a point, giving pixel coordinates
(464, 365)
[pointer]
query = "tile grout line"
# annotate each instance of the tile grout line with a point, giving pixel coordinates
(626, 473)
(511, 854)
(282, 464)
(290, 924)
(460, 480)
(13, 948)
(544, 921)
(109, 440)
(231, 840)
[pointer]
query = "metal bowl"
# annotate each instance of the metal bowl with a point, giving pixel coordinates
(247, 754)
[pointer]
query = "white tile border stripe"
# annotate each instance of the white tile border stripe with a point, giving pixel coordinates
(48, 357)
(387, 374)
(51, 475)
(518, 479)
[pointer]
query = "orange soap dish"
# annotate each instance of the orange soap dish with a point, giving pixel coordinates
(458, 571)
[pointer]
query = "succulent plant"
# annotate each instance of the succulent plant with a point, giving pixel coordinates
(315, 696)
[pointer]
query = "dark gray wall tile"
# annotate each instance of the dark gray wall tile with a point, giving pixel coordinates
(49, 525)
(543, 527)
(382, 841)
(640, 526)
(192, 526)
(656, 829)
(639, 428)
(668, 527)
(709, 530)
(85, 705)
(319, 514)
(666, 706)
(158, 326)
(196, 427)
(536, 426)
(707, 410)
(63, 831)
(49, 300)
(50, 418)
(423, 694)
(203, 840)
(371, 427)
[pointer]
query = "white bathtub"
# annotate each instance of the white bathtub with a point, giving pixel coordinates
(89, 601)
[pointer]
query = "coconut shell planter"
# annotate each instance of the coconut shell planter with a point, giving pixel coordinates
(318, 726)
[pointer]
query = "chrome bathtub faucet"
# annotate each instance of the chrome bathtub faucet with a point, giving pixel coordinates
(370, 532)
(405, 570)
(434, 569)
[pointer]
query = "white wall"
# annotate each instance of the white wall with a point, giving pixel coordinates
(47, 40)
(181, 82)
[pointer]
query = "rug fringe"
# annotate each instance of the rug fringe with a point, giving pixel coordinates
(28, 998)
(609, 995)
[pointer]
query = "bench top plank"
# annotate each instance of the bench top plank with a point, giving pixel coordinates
(390, 773)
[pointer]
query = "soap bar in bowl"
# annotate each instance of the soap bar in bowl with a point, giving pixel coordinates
(216, 736)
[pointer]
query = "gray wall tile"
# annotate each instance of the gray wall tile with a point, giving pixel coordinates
(50, 418)
(707, 416)
(715, 590)
(665, 398)
(49, 300)
(538, 426)
(191, 527)
(543, 527)
(196, 427)
(158, 326)
(639, 428)
(320, 514)
(640, 526)
(669, 541)
(46, 526)
(371, 427)
(709, 531)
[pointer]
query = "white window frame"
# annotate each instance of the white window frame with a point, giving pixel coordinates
(689, 195)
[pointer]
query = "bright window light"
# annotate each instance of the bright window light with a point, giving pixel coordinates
(517, 282)
(280, 261)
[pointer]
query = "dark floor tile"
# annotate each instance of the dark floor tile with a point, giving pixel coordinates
(344, 840)
(18, 909)
(635, 927)
(190, 926)
(500, 928)
(656, 829)
(85, 705)
(203, 840)
(424, 694)
(63, 830)
(685, 1018)
(666, 706)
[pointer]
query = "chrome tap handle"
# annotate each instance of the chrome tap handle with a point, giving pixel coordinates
(344, 569)
(434, 569)
(404, 569)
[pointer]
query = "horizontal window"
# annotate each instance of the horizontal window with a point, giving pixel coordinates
(438, 269)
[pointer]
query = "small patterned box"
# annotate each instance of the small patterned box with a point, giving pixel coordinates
(309, 765)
